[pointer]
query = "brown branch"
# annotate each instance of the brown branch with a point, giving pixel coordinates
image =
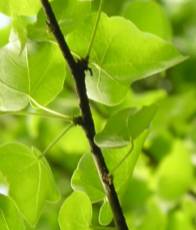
(78, 69)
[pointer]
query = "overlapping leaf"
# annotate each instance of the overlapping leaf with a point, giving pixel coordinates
(38, 72)
(81, 177)
(10, 218)
(105, 214)
(30, 179)
(69, 13)
(125, 125)
(95, 190)
(149, 16)
(121, 54)
(76, 212)
(20, 7)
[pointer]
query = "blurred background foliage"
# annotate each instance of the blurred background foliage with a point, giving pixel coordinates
(162, 193)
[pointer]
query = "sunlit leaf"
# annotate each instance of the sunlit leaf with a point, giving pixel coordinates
(30, 179)
(20, 7)
(105, 214)
(9, 215)
(30, 73)
(149, 16)
(76, 212)
(69, 13)
(121, 54)
(81, 177)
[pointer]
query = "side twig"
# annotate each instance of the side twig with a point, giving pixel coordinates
(78, 69)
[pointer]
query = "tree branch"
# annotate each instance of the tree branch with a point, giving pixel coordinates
(78, 69)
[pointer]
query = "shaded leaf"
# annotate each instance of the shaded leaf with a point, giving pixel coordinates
(125, 125)
(94, 189)
(85, 178)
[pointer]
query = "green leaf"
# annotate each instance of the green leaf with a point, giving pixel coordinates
(30, 73)
(68, 142)
(76, 212)
(5, 27)
(121, 54)
(154, 218)
(125, 125)
(109, 6)
(149, 16)
(30, 179)
(90, 183)
(19, 24)
(175, 173)
(69, 13)
(11, 99)
(20, 7)
(10, 218)
(4, 34)
(113, 156)
(180, 221)
(105, 214)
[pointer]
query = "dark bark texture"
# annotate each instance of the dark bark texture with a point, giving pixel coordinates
(78, 68)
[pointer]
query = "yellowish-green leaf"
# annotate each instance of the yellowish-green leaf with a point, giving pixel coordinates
(10, 219)
(20, 7)
(175, 173)
(30, 179)
(38, 72)
(121, 174)
(76, 212)
(124, 126)
(149, 16)
(121, 54)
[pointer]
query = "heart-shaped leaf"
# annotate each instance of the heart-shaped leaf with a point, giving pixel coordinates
(30, 73)
(30, 179)
(121, 54)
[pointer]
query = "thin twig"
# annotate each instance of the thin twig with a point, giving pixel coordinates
(78, 69)
(27, 113)
(94, 29)
(50, 111)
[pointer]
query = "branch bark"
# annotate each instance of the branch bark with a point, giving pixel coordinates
(78, 68)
